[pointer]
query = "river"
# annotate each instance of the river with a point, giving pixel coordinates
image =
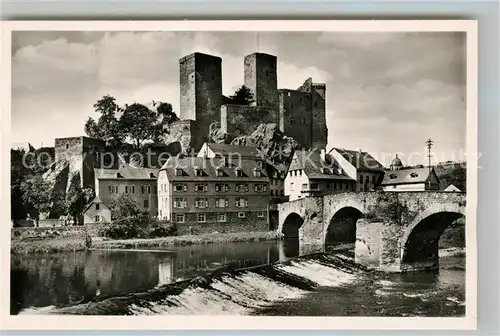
(136, 282)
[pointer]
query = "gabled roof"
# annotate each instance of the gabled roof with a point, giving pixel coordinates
(316, 167)
(126, 172)
(406, 176)
(362, 161)
(209, 168)
(233, 150)
(96, 200)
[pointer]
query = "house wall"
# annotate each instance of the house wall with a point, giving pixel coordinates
(104, 212)
(261, 78)
(139, 197)
(235, 120)
(164, 197)
(293, 184)
(368, 181)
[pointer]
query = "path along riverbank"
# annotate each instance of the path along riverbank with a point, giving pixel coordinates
(61, 244)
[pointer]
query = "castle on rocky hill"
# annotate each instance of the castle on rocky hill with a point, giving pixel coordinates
(298, 113)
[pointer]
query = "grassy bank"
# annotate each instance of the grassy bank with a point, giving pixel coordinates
(21, 247)
(48, 245)
(211, 238)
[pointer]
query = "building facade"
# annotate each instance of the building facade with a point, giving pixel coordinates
(97, 212)
(361, 166)
(315, 174)
(139, 183)
(202, 194)
(410, 179)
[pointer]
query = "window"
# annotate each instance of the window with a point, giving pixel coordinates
(130, 189)
(328, 186)
(221, 187)
(314, 186)
(367, 179)
(259, 163)
(267, 73)
(113, 189)
(303, 121)
(239, 172)
(221, 218)
(304, 186)
(241, 215)
(180, 203)
(201, 187)
(160, 213)
(201, 218)
(374, 179)
(393, 176)
(414, 175)
(221, 203)
(97, 218)
(180, 218)
(260, 215)
(220, 172)
(67, 146)
(241, 203)
(257, 173)
(360, 178)
(272, 193)
(260, 187)
(291, 122)
(146, 189)
(97, 206)
(146, 204)
(178, 172)
(152, 175)
(201, 203)
(180, 187)
(198, 172)
(241, 187)
(291, 186)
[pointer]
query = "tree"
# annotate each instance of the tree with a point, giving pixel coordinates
(36, 196)
(140, 124)
(123, 206)
(77, 200)
(242, 96)
(107, 127)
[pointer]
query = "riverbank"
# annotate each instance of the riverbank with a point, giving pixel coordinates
(50, 245)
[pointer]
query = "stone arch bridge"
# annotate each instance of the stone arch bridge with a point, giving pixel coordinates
(392, 231)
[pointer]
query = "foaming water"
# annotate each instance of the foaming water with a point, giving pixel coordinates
(237, 292)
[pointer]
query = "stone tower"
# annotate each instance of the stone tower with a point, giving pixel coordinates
(261, 77)
(200, 90)
(319, 134)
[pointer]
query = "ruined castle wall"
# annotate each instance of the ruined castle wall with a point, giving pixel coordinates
(319, 136)
(200, 90)
(295, 116)
(262, 79)
(240, 119)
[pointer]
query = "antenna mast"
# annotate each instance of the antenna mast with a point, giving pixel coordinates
(429, 144)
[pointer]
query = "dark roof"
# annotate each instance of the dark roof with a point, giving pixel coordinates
(127, 172)
(96, 200)
(233, 150)
(209, 168)
(406, 176)
(315, 167)
(362, 161)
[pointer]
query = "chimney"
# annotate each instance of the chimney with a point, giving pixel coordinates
(323, 154)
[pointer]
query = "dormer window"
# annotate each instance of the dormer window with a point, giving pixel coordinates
(414, 175)
(259, 163)
(326, 171)
(178, 171)
(239, 172)
(198, 171)
(220, 172)
(257, 172)
(118, 175)
(152, 175)
(393, 176)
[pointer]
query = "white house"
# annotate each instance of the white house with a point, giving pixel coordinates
(360, 166)
(410, 179)
(315, 174)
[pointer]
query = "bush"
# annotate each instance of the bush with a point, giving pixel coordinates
(142, 226)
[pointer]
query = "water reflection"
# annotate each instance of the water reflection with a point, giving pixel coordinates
(68, 278)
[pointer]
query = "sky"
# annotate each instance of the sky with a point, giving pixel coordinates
(387, 93)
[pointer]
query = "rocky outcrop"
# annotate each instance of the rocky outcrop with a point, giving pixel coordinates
(217, 135)
(276, 146)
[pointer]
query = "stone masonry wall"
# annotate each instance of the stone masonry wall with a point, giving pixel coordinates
(237, 120)
(232, 224)
(261, 78)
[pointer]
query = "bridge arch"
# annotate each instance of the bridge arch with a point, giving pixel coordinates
(341, 226)
(419, 243)
(291, 225)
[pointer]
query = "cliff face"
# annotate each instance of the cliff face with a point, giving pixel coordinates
(276, 146)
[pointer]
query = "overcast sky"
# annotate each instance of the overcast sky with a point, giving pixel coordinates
(386, 92)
